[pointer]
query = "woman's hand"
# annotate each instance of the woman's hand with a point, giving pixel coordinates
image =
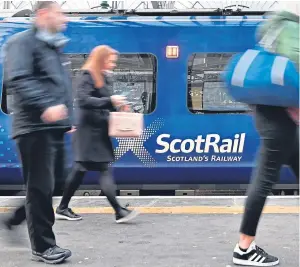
(55, 113)
(118, 100)
(126, 108)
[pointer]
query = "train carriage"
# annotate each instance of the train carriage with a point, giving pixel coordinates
(170, 68)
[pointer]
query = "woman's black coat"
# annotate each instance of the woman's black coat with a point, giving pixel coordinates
(91, 142)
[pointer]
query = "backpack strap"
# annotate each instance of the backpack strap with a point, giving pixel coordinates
(268, 41)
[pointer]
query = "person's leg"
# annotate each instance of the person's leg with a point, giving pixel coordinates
(18, 217)
(37, 152)
(60, 164)
(276, 132)
(72, 184)
(293, 161)
(13, 236)
(108, 188)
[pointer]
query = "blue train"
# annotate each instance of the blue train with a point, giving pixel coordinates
(170, 67)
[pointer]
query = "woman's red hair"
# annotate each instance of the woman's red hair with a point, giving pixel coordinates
(95, 63)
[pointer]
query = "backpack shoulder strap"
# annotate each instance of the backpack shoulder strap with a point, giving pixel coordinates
(268, 41)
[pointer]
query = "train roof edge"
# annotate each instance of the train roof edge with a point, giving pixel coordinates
(123, 18)
(144, 13)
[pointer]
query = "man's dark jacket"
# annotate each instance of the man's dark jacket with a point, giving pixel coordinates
(36, 74)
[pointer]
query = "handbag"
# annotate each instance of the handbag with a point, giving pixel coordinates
(260, 77)
(125, 124)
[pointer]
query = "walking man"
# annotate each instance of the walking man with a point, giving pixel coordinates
(42, 113)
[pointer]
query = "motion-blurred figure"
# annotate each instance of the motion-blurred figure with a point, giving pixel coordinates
(42, 91)
(93, 149)
(278, 130)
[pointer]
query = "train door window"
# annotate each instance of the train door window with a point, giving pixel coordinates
(206, 91)
(134, 76)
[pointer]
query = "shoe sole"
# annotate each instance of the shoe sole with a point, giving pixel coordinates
(57, 261)
(66, 218)
(131, 216)
(252, 263)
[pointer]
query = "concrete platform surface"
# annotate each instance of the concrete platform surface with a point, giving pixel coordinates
(161, 239)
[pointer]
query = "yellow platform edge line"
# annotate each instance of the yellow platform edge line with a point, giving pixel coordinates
(181, 210)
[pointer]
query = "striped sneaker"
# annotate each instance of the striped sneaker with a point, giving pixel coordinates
(254, 256)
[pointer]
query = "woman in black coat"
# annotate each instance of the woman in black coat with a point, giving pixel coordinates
(93, 149)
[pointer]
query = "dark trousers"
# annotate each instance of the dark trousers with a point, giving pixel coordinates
(42, 157)
(279, 145)
(107, 184)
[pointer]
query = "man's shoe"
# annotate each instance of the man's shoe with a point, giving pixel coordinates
(53, 255)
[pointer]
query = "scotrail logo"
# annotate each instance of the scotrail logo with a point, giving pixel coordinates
(211, 144)
(137, 145)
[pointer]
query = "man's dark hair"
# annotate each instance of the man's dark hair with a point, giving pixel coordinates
(43, 4)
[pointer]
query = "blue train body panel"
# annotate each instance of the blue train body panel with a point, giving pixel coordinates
(177, 146)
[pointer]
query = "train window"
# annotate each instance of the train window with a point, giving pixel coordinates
(206, 92)
(134, 76)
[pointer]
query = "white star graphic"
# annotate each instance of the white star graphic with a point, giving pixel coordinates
(136, 145)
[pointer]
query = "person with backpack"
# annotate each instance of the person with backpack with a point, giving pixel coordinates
(279, 141)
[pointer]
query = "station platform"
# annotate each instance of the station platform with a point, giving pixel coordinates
(169, 232)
